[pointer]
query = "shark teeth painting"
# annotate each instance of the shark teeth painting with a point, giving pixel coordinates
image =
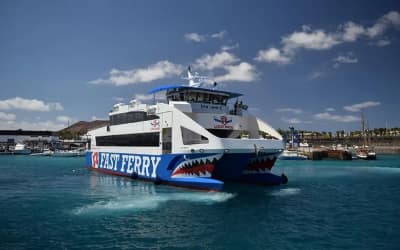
(197, 167)
(260, 165)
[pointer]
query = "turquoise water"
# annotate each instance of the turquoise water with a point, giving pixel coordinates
(56, 203)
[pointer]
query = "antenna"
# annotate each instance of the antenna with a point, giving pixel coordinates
(195, 80)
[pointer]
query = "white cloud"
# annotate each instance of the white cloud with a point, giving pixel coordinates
(218, 60)
(7, 116)
(344, 59)
(142, 97)
(157, 71)
(29, 105)
(230, 47)
(292, 120)
(329, 109)
(289, 110)
(235, 70)
(219, 35)
(195, 37)
(66, 119)
(198, 38)
(319, 39)
(358, 106)
(272, 55)
(316, 75)
(382, 43)
(352, 31)
(118, 99)
(308, 39)
(393, 17)
(94, 118)
(390, 19)
(243, 72)
(337, 118)
(27, 125)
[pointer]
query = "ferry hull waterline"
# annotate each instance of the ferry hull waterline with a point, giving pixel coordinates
(195, 140)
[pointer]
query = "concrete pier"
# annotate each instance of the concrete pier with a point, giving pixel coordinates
(342, 155)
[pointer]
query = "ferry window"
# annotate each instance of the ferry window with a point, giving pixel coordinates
(206, 96)
(192, 97)
(225, 133)
(131, 117)
(200, 97)
(213, 99)
(130, 140)
(189, 137)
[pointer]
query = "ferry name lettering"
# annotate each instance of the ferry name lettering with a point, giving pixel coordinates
(140, 164)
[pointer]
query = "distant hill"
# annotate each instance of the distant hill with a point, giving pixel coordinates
(81, 128)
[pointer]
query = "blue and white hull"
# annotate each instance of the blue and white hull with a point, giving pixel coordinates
(199, 171)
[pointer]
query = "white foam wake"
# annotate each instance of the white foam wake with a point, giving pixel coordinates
(151, 201)
(286, 192)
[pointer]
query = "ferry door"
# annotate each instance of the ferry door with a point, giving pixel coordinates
(166, 140)
(166, 130)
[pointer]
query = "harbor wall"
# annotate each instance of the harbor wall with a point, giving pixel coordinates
(381, 144)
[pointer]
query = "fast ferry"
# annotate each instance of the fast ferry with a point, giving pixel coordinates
(198, 138)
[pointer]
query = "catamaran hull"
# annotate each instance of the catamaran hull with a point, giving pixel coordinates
(196, 170)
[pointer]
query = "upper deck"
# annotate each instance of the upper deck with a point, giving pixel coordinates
(201, 100)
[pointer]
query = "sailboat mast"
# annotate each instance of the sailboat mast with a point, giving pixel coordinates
(363, 127)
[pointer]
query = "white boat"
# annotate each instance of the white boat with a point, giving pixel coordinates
(44, 153)
(21, 149)
(198, 138)
(68, 153)
(364, 153)
(292, 155)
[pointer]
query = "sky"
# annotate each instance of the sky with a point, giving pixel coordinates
(315, 65)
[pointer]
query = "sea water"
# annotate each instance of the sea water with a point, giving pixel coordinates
(56, 203)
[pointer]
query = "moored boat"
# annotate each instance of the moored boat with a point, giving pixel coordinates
(364, 153)
(68, 153)
(292, 155)
(21, 149)
(195, 139)
(43, 153)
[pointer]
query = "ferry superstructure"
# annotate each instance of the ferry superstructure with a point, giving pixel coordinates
(195, 139)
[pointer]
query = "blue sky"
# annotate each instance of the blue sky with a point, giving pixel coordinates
(310, 64)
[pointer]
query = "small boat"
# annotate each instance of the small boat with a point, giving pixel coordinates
(44, 153)
(292, 155)
(21, 149)
(68, 153)
(365, 153)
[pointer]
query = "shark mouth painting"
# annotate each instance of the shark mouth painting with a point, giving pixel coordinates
(197, 167)
(260, 165)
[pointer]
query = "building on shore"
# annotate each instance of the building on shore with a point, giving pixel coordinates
(33, 139)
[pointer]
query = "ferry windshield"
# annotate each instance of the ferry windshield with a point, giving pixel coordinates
(198, 97)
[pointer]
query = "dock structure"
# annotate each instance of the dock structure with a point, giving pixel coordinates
(342, 155)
